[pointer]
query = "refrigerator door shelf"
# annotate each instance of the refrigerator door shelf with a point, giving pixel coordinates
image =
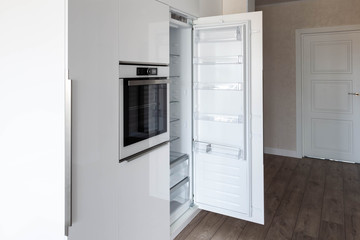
(219, 118)
(218, 86)
(219, 150)
(226, 34)
(209, 60)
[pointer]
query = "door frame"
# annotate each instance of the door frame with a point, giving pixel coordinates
(299, 78)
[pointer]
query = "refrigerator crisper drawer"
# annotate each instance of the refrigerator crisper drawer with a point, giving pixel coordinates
(179, 199)
(179, 168)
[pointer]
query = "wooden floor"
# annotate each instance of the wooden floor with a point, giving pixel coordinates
(304, 199)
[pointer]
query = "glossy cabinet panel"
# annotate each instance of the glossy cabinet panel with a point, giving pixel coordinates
(144, 31)
(190, 7)
(144, 197)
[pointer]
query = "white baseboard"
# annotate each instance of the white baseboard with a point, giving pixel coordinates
(282, 152)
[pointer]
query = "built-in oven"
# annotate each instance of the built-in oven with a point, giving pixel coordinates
(144, 108)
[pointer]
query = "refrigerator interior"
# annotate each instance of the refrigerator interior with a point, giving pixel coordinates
(180, 120)
(209, 125)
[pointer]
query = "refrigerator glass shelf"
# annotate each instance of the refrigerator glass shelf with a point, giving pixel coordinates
(218, 118)
(174, 120)
(218, 86)
(218, 150)
(174, 138)
(218, 60)
(177, 157)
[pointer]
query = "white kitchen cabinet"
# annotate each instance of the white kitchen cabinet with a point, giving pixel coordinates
(110, 200)
(143, 188)
(143, 31)
(190, 7)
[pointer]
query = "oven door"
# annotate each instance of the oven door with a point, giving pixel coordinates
(144, 114)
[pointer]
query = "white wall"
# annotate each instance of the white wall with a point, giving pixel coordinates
(32, 73)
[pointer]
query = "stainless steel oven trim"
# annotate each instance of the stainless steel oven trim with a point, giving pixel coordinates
(147, 82)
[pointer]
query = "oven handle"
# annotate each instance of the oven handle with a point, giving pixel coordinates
(148, 82)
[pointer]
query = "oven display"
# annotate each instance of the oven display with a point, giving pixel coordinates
(146, 71)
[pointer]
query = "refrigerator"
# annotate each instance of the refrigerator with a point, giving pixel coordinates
(216, 117)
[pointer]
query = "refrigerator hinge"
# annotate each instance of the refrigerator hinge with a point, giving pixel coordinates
(192, 204)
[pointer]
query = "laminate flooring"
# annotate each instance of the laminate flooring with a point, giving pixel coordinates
(304, 199)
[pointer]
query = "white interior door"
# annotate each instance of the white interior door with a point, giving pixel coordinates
(228, 141)
(331, 105)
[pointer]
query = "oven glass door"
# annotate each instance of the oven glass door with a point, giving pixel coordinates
(145, 109)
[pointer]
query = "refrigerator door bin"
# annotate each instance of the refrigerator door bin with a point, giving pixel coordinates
(219, 86)
(228, 34)
(218, 60)
(218, 118)
(179, 199)
(219, 150)
(179, 167)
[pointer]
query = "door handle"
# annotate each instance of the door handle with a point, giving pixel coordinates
(148, 82)
(68, 160)
(354, 93)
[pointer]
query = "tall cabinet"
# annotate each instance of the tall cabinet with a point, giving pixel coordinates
(111, 200)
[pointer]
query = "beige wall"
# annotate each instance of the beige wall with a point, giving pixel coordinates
(234, 6)
(210, 7)
(280, 23)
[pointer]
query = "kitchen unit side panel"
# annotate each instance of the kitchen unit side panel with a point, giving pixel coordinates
(93, 68)
(143, 31)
